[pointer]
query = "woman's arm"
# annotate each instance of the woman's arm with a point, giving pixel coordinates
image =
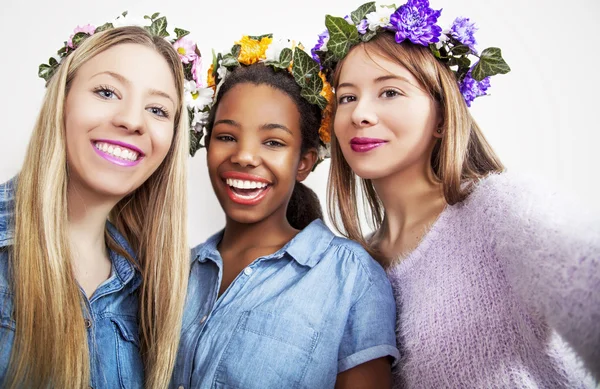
(375, 374)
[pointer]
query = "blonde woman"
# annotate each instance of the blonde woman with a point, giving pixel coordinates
(94, 255)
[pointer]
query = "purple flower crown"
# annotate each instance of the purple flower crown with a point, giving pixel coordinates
(416, 22)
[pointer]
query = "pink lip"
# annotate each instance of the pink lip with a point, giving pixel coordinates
(362, 145)
(115, 160)
(119, 143)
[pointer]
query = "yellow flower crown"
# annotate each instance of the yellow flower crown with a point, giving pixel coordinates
(281, 54)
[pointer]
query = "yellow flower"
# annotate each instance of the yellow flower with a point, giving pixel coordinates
(210, 79)
(327, 93)
(252, 50)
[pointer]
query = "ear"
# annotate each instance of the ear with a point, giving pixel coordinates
(307, 161)
(439, 130)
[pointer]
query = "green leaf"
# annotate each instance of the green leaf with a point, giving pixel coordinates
(62, 52)
(159, 27)
(314, 98)
(342, 36)
(195, 141)
(124, 14)
(305, 70)
(259, 37)
(104, 27)
(46, 71)
(460, 50)
(180, 33)
(230, 61)
(52, 62)
(236, 50)
(362, 12)
(435, 50)
(463, 62)
(490, 63)
(367, 37)
(147, 17)
(78, 38)
(285, 58)
(155, 15)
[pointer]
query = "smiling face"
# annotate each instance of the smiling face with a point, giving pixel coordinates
(119, 119)
(385, 123)
(254, 153)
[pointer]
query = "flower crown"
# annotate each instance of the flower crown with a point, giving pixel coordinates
(197, 97)
(414, 21)
(280, 55)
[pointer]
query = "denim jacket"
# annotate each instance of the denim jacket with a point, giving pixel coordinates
(110, 318)
(293, 319)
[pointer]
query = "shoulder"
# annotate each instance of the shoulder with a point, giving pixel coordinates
(7, 204)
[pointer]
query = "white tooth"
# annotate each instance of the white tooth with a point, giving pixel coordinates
(126, 154)
(253, 184)
(117, 152)
(238, 184)
(110, 149)
(134, 155)
(246, 185)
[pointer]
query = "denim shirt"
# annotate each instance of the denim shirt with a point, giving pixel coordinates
(111, 317)
(293, 319)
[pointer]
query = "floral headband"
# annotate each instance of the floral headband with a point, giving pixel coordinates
(197, 97)
(281, 55)
(414, 21)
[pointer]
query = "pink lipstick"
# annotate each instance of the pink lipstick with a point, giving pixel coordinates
(362, 145)
(117, 152)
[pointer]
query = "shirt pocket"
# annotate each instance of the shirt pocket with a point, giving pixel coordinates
(129, 362)
(266, 351)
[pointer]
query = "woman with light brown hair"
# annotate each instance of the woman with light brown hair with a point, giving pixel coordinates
(496, 282)
(96, 219)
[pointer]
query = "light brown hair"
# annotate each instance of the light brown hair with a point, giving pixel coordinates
(50, 345)
(459, 158)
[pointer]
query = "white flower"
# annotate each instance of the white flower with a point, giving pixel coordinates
(199, 118)
(324, 152)
(275, 48)
(379, 18)
(196, 98)
(122, 21)
(442, 39)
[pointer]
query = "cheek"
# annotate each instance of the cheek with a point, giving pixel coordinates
(162, 137)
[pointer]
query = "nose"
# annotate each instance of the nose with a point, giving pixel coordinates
(246, 154)
(130, 116)
(364, 114)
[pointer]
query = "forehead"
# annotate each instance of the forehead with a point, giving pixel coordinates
(366, 65)
(255, 105)
(142, 66)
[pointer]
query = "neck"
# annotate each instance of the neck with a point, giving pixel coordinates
(409, 197)
(271, 233)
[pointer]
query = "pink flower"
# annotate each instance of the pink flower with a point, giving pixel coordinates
(88, 29)
(186, 50)
(197, 71)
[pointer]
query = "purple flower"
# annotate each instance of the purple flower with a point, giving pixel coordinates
(462, 30)
(363, 26)
(471, 89)
(415, 21)
(320, 46)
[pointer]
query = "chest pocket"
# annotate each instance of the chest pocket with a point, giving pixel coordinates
(129, 363)
(266, 351)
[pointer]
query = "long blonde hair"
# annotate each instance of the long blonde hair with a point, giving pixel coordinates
(458, 159)
(50, 345)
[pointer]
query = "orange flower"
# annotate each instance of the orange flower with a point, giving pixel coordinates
(252, 50)
(327, 93)
(210, 79)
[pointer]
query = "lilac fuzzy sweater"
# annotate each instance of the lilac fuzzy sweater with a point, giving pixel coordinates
(502, 292)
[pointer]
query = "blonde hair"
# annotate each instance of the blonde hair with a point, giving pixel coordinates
(459, 158)
(50, 345)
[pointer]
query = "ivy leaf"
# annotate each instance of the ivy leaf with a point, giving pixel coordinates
(305, 69)
(435, 50)
(124, 14)
(155, 15)
(236, 50)
(314, 98)
(460, 50)
(62, 52)
(159, 27)
(342, 36)
(284, 61)
(52, 62)
(230, 61)
(105, 26)
(46, 71)
(78, 38)
(195, 139)
(490, 63)
(463, 62)
(367, 37)
(362, 12)
(180, 33)
(259, 37)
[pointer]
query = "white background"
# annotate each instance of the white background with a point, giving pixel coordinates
(541, 118)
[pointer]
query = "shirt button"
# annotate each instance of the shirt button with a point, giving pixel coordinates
(248, 271)
(180, 387)
(88, 323)
(203, 319)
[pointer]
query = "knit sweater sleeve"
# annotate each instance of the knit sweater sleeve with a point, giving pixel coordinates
(550, 252)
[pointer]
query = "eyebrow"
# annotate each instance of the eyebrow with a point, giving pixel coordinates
(268, 126)
(153, 92)
(379, 79)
